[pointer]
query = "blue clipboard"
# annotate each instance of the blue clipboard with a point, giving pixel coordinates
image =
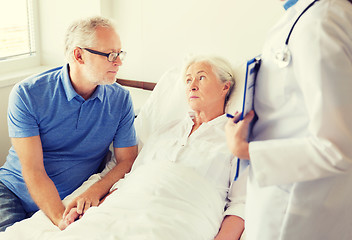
(252, 69)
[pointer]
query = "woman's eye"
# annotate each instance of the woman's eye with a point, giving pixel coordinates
(201, 77)
(188, 81)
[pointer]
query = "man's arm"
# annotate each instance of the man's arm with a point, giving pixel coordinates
(40, 186)
(91, 197)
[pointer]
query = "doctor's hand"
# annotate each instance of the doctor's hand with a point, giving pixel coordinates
(237, 135)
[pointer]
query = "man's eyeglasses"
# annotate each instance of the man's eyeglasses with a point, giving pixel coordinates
(110, 56)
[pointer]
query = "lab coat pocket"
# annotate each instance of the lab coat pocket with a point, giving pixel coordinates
(280, 200)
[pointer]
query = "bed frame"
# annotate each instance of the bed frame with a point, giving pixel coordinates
(136, 84)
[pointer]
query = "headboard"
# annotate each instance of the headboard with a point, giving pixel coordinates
(136, 84)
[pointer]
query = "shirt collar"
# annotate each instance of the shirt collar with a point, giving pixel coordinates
(70, 91)
(98, 93)
(66, 81)
(218, 120)
(290, 3)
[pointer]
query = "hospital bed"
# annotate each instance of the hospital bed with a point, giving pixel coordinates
(163, 104)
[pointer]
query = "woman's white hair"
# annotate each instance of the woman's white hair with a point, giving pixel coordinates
(81, 33)
(221, 67)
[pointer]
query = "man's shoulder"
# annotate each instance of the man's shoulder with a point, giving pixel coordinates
(117, 88)
(40, 80)
(116, 92)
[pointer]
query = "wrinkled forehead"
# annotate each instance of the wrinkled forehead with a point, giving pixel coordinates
(199, 67)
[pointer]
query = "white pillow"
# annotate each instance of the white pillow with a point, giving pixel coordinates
(236, 98)
(168, 102)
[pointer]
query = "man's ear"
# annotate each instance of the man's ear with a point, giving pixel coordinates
(77, 55)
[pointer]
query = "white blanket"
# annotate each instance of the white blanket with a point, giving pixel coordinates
(157, 201)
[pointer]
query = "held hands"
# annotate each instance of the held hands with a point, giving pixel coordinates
(84, 201)
(237, 135)
(72, 213)
(78, 207)
(69, 218)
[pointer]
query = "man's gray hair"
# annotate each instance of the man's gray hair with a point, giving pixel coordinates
(221, 67)
(81, 33)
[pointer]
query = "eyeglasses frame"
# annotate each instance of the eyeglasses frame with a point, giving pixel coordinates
(120, 54)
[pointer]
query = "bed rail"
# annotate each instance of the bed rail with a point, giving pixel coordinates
(136, 84)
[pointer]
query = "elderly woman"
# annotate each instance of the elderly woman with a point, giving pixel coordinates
(181, 184)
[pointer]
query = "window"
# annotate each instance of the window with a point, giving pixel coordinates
(17, 35)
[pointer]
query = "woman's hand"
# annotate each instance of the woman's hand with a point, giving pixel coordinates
(69, 218)
(83, 202)
(237, 135)
(72, 214)
(231, 228)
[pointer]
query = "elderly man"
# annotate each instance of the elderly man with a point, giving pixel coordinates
(62, 122)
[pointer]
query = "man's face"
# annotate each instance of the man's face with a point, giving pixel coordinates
(98, 69)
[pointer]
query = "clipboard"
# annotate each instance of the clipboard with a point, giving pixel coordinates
(252, 69)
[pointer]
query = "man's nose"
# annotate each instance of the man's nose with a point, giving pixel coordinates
(117, 61)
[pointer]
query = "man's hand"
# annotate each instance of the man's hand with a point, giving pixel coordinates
(237, 135)
(83, 202)
(124, 159)
(70, 218)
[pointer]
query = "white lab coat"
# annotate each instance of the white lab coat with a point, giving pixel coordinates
(300, 183)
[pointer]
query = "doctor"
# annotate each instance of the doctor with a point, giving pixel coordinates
(300, 183)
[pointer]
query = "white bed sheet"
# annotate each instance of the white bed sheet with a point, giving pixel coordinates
(144, 207)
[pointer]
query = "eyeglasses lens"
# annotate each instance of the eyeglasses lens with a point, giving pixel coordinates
(113, 56)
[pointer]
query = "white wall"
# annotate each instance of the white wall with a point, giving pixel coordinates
(55, 17)
(4, 139)
(158, 34)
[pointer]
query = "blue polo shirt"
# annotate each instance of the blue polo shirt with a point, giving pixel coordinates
(75, 133)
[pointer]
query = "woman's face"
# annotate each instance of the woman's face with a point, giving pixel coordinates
(205, 91)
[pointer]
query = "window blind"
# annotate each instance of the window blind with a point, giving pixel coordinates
(16, 29)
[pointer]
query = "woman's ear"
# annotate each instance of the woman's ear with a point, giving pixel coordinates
(77, 55)
(227, 86)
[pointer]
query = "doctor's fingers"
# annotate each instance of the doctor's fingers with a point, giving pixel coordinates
(237, 117)
(234, 118)
(249, 117)
(243, 125)
(230, 128)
